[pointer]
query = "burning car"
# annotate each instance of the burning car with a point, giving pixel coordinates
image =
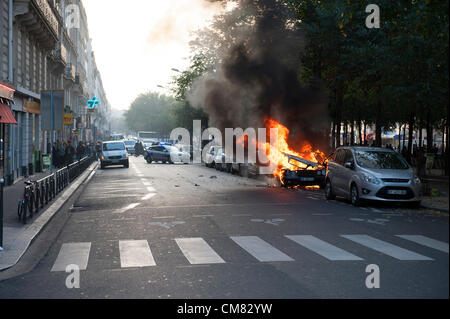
(308, 174)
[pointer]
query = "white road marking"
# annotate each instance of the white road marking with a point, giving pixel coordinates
(197, 251)
(124, 209)
(323, 248)
(146, 183)
(260, 249)
(385, 247)
(376, 210)
(162, 217)
(148, 196)
(72, 254)
(426, 241)
(135, 253)
(151, 189)
(202, 216)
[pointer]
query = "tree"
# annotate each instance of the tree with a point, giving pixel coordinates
(151, 112)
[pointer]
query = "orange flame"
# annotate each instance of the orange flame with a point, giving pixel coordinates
(277, 155)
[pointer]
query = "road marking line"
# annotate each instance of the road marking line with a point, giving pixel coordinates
(426, 241)
(146, 183)
(385, 247)
(376, 210)
(202, 215)
(151, 189)
(323, 248)
(260, 249)
(72, 254)
(148, 196)
(197, 251)
(135, 253)
(124, 209)
(162, 217)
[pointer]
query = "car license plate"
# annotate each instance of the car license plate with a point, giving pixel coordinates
(396, 192)
(307, 179)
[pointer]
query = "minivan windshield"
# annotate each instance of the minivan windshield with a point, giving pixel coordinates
(120, 146)
(380, 160)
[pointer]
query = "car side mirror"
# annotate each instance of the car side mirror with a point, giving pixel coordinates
(349, 165)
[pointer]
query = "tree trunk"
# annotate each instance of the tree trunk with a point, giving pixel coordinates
(410, 135)
(359, 132)
(378, 141)
(429, 133)
(404, 136)
(339, 102)
(365, 133)
(352, 134)
(420, 135)
(333, 136)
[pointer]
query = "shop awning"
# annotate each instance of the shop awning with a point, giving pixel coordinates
(6, 116)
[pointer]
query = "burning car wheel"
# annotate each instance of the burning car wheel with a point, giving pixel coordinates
(329, 191)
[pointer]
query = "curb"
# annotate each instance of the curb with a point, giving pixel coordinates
(444, 210)
(22, 238)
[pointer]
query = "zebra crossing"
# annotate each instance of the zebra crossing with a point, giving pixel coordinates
(197, 251)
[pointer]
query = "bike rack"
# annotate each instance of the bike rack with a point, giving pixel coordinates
(43, 191)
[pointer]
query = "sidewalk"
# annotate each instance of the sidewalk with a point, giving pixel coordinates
(18, 237)
(436, 192)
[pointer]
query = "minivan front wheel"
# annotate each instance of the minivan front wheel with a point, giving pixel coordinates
(329, 191)
(356, 201)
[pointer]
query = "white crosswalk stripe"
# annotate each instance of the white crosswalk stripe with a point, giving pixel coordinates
(385, 247)
(72, 254)
(323, 248)
(426, 241)
(260, 249)
(197, 251)
(135, 253)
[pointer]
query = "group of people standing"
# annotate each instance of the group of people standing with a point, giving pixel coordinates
(64, 153)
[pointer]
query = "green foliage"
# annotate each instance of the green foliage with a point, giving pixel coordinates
(152, 112)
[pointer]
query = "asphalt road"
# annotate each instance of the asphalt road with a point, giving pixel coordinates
(187, 231)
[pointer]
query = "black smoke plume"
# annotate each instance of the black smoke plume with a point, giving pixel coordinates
(258, 47)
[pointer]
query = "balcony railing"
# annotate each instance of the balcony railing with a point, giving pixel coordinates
(46, 10)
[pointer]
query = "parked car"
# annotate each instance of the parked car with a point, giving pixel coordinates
(166, 154)
(129, 144)
(211, 155)
(362, 173)
(114, 153)
(222, 161)
(245, 169)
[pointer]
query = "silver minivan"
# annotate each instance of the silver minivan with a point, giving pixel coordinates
(114, 153)
(371, 173)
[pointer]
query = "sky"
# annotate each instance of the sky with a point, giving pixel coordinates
(137, 43)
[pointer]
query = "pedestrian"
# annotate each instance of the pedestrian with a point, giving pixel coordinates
(69, 153)
(98, 149)
(80, 151)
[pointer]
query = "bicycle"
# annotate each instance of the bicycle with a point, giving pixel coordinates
(26, 202)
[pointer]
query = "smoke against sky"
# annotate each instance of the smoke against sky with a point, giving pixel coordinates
(257, 74)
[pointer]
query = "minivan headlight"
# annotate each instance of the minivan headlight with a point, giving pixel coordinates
(371, 179)
(416, 179)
